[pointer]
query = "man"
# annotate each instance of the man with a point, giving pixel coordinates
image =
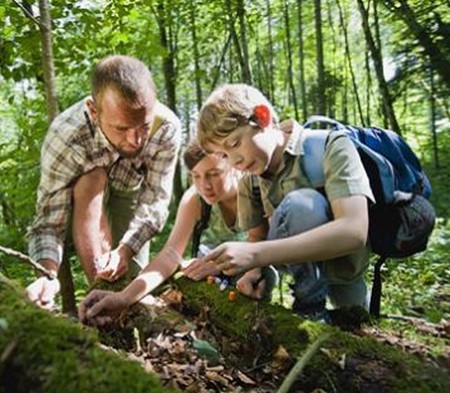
(107, 168)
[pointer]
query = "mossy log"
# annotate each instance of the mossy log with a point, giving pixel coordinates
(43, 353)
(347, 363)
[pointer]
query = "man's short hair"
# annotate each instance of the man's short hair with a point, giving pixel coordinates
(127, 75)
(193, 154)
(227, 108)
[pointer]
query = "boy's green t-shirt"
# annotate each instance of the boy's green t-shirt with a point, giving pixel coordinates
(344, 176)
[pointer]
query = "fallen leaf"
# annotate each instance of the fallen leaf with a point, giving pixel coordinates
(243, 378)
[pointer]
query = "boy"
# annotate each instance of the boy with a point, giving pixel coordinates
(321, 237)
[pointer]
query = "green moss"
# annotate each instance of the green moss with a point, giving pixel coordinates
(51, 354)
(369, 365)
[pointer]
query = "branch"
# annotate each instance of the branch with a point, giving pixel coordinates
(301, 363)
(37, 266)
(28, 13)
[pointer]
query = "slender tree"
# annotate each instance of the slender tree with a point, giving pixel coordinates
(168, 42)
(321, 98)
(377, 38)
(301, 58)
(245, 74)
(289, 55)
(269, 35)
(378, 63)
(244, 42)
(368, 83)
(47, 59)
(433, 118)
(439, 61)
(349, 60)
(221, 62)
(198, 84)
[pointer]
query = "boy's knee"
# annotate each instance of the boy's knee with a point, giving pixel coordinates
(301, 210)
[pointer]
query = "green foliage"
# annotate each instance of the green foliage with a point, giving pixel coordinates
(85, 31)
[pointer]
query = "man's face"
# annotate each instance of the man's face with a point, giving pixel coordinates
(126, 126)
(248, 148)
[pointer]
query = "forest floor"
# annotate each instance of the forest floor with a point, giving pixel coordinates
(197, 356)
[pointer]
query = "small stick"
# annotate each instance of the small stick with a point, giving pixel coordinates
(26, 258)
(301, 363)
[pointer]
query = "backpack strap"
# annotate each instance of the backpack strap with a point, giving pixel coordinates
(336, 125)
(158, 118)
(200, 226)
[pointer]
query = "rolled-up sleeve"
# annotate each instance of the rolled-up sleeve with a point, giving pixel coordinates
(59, 166)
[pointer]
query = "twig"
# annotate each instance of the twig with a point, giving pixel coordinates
(25, 258)
(301, 363)
(28, 13)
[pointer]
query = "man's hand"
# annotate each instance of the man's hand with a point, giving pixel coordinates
(43, 292)
(99, 307)
(252, 284)
(114, 264)
(198, 270)
(234, 257)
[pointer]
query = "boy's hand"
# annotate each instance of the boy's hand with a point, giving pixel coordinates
(198, 270)
(234, 257)
(99, 307)
(252, 284)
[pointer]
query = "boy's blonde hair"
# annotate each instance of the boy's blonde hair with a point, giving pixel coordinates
(227, 108)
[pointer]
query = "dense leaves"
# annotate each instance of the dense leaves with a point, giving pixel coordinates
(234, 41)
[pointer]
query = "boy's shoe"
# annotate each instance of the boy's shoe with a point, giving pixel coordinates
(313, 311)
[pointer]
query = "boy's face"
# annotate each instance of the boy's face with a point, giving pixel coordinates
(248, 148)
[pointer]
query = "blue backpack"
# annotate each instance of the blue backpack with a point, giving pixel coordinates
(396, 178)
(401, 219)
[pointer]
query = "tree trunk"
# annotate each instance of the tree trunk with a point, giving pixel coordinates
(332, 92)
(289, 53)
(438, 59)
(167, 40)
(65, 273)
(321, 98)
(368, 85)
(433, 119)
(221, 61)
(198, 85)
(47, 59)
(378, 63)
(247, 75)
(271, 73)
(301, 59)
(377, 39)
(349, 60)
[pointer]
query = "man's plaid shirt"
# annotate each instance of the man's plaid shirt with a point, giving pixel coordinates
(74, 146)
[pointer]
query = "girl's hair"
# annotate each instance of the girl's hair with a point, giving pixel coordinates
(227, 108)
(193, 154)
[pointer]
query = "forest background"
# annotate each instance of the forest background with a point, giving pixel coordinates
(383, 63)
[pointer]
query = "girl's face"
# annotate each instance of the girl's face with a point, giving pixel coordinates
(214, 179)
